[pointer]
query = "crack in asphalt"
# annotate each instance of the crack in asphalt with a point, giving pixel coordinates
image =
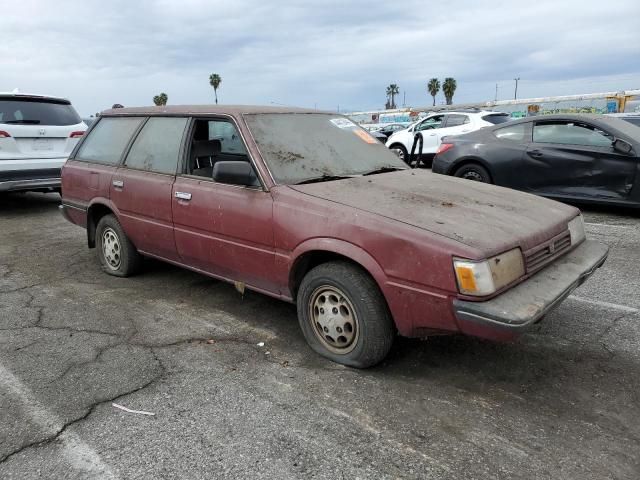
(90, 409)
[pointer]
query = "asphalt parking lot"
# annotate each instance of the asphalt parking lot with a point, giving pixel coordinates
(562, 402)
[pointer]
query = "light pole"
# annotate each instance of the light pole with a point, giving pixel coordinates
(515, 94)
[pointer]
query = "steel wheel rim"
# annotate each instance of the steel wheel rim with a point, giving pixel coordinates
(333, 319)
(111, 249)
(473, 175)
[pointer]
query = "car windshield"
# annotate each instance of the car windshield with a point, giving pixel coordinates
(299, 147)
(37, 112)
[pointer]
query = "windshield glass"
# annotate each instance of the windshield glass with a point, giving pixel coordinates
(304, 146)
(37, 112)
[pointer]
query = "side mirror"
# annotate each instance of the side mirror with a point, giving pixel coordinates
(234, 173)
(622, 146)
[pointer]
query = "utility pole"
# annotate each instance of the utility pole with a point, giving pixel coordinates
(404, 99)
(515, 94)
(496, 92)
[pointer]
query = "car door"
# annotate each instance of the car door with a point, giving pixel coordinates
(455, 124)
(430, 128)
(222, 229)
(141, 188)
(566, 157)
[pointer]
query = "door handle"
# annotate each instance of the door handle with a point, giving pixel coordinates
(536, 153)
(432, 134)
(118, 183)
(183, 196)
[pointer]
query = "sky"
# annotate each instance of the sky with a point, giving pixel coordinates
(327, 54)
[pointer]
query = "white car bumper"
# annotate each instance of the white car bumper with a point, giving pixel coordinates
(30, 174)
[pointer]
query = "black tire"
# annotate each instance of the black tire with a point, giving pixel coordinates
(403, 155)
(113, 244)
(374, 330)
(473, 171)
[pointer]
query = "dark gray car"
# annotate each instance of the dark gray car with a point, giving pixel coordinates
(587, 158)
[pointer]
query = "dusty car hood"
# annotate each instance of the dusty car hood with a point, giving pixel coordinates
(482, 216)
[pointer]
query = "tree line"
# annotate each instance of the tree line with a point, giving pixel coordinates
(448, 86)
(214, 80)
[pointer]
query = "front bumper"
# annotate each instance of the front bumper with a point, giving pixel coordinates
(525, 304)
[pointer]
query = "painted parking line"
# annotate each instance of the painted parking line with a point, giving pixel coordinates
(80, 455)
(614, 306)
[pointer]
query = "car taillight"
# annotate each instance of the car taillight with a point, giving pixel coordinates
(4, 134)
(76, 134)
(444, 147)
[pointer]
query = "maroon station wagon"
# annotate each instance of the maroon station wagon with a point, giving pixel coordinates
(309, 208)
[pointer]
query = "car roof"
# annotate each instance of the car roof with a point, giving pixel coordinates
(30, 96)
(206, 110)
(466, 112)
(600, 120)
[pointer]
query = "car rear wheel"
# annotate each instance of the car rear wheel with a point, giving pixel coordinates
(116, 253)
(473, 171)
(344, 316)
(400, 151)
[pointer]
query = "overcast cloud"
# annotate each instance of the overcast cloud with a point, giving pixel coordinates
(325, 53)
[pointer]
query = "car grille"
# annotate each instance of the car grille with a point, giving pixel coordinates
(542, 254)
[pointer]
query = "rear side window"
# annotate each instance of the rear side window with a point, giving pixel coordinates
(157, 147)
(570, 133)
(455, 119)
(633, 120)
(108, 139)
(515, 133)
(37, 112)
(496, 118)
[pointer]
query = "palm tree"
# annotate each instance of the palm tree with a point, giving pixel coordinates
(434, 87)
(160, 99)
(215, 80)
(392, 91)
(449, 88)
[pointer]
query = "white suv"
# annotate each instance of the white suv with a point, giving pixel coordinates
(37, 135)
(438, 125)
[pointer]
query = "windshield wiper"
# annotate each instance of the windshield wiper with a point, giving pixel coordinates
(30, 122)
(383, 170)
(324, 178)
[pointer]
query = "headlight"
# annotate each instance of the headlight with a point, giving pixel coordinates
(576, 229)
(487, 276)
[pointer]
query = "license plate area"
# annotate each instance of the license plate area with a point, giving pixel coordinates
(42, 145)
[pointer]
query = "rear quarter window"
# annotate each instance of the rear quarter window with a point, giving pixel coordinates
(515, 133)
(496, 118)
(108, 139)
(37, 112)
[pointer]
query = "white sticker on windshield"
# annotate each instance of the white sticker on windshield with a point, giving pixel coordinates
(342, 123)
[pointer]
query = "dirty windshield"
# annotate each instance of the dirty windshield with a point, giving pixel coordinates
(300, 147)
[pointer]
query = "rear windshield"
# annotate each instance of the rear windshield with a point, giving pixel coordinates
(497, 118)
(37, 112)
(302, 146)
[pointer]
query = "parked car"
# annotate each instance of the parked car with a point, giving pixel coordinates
(37, 134)
(632, 117)
(587, 158)
(390, 129)
(438, 125)
(381, 137)
(313, 210)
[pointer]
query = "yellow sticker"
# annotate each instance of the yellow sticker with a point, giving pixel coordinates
(364, 136)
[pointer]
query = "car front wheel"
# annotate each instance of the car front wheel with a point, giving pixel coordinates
(117, 255)
(344, 316)
(400, 151)
(473, 171)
